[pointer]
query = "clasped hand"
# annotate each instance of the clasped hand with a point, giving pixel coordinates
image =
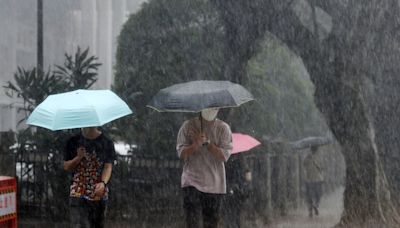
(200, 139)
(99, 189)
(81, 151)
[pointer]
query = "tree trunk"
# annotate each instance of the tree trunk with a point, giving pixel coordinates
(339, 85)
(367, 196)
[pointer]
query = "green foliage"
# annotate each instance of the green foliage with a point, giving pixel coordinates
(80, 70)
(32, 87)
(284, 103)
(173, 41)
(167, 42)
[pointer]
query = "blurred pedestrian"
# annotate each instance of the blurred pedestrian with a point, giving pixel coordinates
(313, 180)
(89, 155)
(204, 144)
(238, 178)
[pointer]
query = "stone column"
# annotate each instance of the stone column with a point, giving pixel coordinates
(104, 43)
(89, 25)
(119, 18)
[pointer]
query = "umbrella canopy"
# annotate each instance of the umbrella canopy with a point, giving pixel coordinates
(79, 108)
(242, 142)
(195, 96)
(311, 141)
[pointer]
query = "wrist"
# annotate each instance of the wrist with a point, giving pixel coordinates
(105, 183)
(195, 145)
(210, 145)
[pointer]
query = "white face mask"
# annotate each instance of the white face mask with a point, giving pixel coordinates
(209, 114)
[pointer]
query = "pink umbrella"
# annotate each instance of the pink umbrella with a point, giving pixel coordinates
(243, 142)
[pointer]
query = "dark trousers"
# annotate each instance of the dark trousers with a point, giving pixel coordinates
(87, 214)
(313, 194)
(197, 204)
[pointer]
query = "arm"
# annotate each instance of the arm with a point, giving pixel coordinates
(188, 142)
(100, 188)
(247, 176)
(222, 151)
(71, 164)
(106, 174)
(189, 151)
(105, 178)
(216, 151)
(245, 167)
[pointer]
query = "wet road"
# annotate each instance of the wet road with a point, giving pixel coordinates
(331, 208)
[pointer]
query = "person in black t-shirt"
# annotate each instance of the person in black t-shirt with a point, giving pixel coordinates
(89, 156)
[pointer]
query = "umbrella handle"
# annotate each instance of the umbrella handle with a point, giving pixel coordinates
(201, 123)
(82, 141)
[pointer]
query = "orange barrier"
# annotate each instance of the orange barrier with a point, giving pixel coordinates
(8, 202)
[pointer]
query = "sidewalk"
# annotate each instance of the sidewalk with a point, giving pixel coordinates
(330, 210)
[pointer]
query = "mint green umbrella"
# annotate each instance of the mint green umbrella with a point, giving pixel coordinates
(79, 108)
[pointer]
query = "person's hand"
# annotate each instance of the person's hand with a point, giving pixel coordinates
(206, 140)
(199, 139)
(81, 151)
(99, 189)
(203, 140)
(247, 176)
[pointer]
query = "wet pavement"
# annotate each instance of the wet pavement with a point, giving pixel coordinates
(331, 207)
(330, 210)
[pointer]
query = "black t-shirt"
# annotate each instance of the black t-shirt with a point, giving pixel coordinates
(88, 172)
(101, 145)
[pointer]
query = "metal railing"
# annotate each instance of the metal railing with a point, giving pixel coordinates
(144, 189)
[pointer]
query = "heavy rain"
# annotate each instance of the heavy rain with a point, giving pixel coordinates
(200, 113)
